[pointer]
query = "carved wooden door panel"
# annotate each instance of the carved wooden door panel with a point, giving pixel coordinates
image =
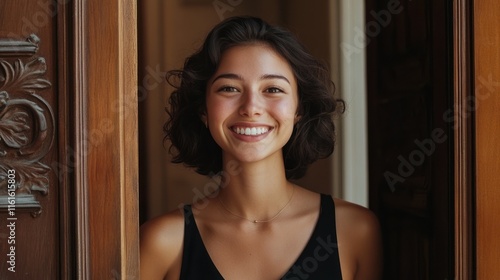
(410, 113)
(30, 189)
(68, 151)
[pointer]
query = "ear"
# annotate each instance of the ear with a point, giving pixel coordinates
(297, 118)
(298, 114)
(204, 119)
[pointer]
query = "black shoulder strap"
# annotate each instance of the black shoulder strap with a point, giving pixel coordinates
(320, 258)
(196, 263)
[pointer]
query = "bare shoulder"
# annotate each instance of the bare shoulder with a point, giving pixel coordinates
(355, 217)
(161, 242)
(360, 244)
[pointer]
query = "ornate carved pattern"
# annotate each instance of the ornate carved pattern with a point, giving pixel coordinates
(26, 124)
(15, 48)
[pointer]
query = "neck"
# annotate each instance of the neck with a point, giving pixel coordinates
(255, 191)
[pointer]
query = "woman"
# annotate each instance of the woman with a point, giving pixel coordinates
(255, 108)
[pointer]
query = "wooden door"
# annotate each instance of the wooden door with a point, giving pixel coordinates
(68, 149)
(29, 181)
(410, 118)
(486, 104)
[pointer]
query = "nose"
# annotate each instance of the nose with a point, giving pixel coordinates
(251, 104)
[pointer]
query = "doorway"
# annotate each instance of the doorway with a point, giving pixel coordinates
(409, 102)
(169, 31)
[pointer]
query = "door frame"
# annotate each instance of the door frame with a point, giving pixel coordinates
(97, 193)
(101, 70)
(464, 139)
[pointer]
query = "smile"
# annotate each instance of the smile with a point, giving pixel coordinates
(251, 131)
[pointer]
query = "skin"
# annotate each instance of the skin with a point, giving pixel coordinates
(255, 87)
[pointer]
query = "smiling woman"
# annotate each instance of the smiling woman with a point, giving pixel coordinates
(317, 104)
(253, 106)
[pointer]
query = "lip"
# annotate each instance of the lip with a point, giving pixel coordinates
(250, 124)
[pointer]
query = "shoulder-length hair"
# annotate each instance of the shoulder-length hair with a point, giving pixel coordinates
(313, 136)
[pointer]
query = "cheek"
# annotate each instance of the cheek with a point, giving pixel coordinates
(218, 111)
(213, 108)
(286, 111)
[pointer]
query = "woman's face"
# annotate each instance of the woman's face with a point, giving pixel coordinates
(252, 103)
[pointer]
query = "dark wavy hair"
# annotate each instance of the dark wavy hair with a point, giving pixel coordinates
(313, 136)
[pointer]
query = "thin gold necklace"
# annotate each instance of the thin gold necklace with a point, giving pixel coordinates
(258, 221)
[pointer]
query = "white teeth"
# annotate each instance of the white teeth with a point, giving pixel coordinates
(251, 130)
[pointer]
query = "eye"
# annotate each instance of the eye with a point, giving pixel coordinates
(274, 90)
(227, 89)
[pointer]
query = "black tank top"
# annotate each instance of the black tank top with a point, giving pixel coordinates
(319, 260)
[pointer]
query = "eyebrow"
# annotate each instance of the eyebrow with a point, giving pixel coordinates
(238, 77)
(275, 76)
(228, 76)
